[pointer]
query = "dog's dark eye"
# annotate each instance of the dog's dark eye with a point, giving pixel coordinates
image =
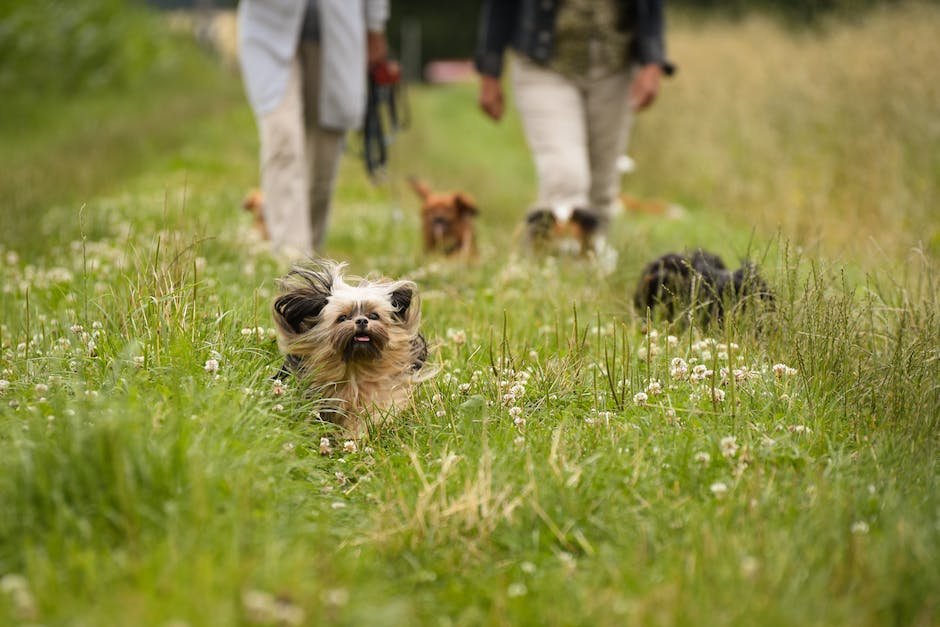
(342, 318)
(373, 316)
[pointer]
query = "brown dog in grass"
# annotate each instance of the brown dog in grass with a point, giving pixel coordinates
(254, 203)
(446, 221)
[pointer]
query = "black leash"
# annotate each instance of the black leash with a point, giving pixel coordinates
(382, 119)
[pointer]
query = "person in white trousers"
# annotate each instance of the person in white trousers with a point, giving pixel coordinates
(304, 64)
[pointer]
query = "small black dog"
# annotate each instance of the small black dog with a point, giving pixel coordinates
(699, 282)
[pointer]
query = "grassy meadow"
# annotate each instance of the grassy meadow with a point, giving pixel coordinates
(567, 466)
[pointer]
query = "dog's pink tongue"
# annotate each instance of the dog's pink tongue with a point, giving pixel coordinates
(362, 338)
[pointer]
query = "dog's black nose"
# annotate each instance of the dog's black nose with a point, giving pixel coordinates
(362, 321)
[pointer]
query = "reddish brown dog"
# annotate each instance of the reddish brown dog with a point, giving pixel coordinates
(253, 204)
(447, 221)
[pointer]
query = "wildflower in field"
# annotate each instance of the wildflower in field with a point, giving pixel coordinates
(16, 588)
(605, 416)
(440, 413)
(325, 448)
(719, 489)
(718, 395)
(527, 567)
(706, 355)
(672, 341)
(655, 388)
(278, 408)
(749, 566)
(4, 386)
(678, 368)
(860, 527)
(212, 365)
(349, 446)
(801, 429)
(288, 447)
(509, 398)
(338, 505)
(341, 477)
(278, 389)
(516, 589)
(728, 446)
(700, 372)
(139, 361)
(336, 597)
(519, 441)
(519, 421)
(703, 458)
(457, 336)
(264, 608)
(41, 388)
(640, 398)
(515, 412)
(463, 388)
(782, 370)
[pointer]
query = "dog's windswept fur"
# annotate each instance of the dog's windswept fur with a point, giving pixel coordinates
(700, 281)
(353, 341)
(562, 229)
(446, 221)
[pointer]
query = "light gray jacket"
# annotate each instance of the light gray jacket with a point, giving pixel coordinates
(268, 34)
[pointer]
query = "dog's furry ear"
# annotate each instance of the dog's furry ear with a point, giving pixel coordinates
(588, 219)
(466, 204)
(540, 215)
(420, 187)
(305, 292)
(404, 300)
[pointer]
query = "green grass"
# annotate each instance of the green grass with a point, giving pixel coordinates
(140, 488)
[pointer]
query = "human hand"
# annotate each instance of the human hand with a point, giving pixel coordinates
(645, 86)
(491, 97)
(376, 47)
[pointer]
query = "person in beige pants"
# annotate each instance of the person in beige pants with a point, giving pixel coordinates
(304, 64)
(581, 69)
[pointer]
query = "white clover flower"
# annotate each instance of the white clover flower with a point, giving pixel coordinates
(457, 336)
(278, 407)
(718, 395)
(719, 489)
(722, 356)
(515, 411)
(798, 429)
(519, 421)
(4, 385)
(517, 390)
(672, 341)
(463, 388)
(516, 589)
(783, 370)
(728, 446)
(509, 399)
(76, 328)
(678, 368)
(212, 365)
(860, 527)
(640, 398)
(440, 413)
(703, 458)
(519, 441)
(247, 331)
(706, 355)
(278, 389)
(41, 388)
(349, 446)
(533, 355)
(605, 415)
(325, 448)
(655, 388)
(288, 447)
(749, 566)
(139, 361)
